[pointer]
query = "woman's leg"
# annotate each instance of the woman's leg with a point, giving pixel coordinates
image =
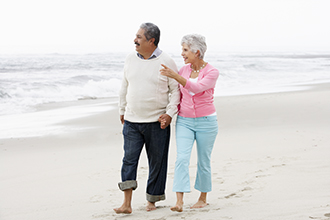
(185, 138)
(201, 203)
(179, 203)
(205, 137)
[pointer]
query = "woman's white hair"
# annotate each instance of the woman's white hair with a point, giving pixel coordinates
(195, 42)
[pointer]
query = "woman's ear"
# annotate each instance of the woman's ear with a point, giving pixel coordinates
(197, 54)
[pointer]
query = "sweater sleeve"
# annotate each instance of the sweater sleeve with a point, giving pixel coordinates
(174, 98)
(122, 94)
(207, 82)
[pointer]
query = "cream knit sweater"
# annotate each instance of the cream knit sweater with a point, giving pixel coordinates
(145, 94)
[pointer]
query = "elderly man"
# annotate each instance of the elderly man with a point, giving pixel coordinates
(146, 98)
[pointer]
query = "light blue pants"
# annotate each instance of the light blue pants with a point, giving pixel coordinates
(204, 130)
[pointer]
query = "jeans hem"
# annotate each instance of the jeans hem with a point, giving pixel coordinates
(155, 198)
(129, 184)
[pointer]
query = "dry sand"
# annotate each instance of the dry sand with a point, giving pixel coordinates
(270, 161)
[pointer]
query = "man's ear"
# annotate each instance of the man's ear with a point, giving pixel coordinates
(151, 41)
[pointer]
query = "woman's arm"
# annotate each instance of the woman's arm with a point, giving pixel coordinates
(204, 84)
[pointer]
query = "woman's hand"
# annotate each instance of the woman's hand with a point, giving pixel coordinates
(167, 72)
(171, 74)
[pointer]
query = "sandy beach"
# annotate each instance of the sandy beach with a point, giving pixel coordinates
(270, 161)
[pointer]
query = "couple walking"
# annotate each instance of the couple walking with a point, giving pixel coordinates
(152, 92)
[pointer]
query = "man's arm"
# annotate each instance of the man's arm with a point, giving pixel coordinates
(122, 97)
(174, 98)
(174, 92)
(172, 108)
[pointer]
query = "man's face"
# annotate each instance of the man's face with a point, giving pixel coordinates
(141, 42)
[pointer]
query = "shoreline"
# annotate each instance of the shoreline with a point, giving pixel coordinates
(270, 161)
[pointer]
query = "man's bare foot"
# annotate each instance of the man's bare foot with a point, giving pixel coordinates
(123, 210)
(177, 208)
(199, 204)
(151, 206)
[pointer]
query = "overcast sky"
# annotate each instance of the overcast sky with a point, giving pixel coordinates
(80, 26)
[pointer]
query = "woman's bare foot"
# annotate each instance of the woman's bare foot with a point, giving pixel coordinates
(199, 204)
(151, 206)
(123, 210)
(177, 208)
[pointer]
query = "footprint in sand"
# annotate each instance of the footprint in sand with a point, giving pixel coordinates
(326, 215)
(230, 195)
(279, 165)
(95, 199)
(239, 193)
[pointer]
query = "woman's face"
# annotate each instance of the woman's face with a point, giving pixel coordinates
(187, 54)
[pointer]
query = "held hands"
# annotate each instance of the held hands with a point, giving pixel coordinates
(164, 120)
(167, 72)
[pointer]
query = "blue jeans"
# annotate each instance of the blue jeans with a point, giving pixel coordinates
(204, 130)
(156, 141)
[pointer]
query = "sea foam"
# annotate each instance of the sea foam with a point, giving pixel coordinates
(30, 80)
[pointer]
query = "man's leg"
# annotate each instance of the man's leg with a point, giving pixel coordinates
(157, 144)
(126, 207)
(133, 143)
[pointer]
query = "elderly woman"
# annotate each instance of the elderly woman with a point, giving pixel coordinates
(196, 119)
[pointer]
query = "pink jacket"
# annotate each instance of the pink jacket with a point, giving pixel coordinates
(200, 104)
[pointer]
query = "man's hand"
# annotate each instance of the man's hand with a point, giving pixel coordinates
(164, 120)
(122, 119)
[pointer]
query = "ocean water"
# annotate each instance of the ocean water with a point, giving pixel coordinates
(29, 80)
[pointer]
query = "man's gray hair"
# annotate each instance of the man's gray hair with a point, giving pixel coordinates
(151, 31)
(195, 42)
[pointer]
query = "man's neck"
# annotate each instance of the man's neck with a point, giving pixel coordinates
(148, 54)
